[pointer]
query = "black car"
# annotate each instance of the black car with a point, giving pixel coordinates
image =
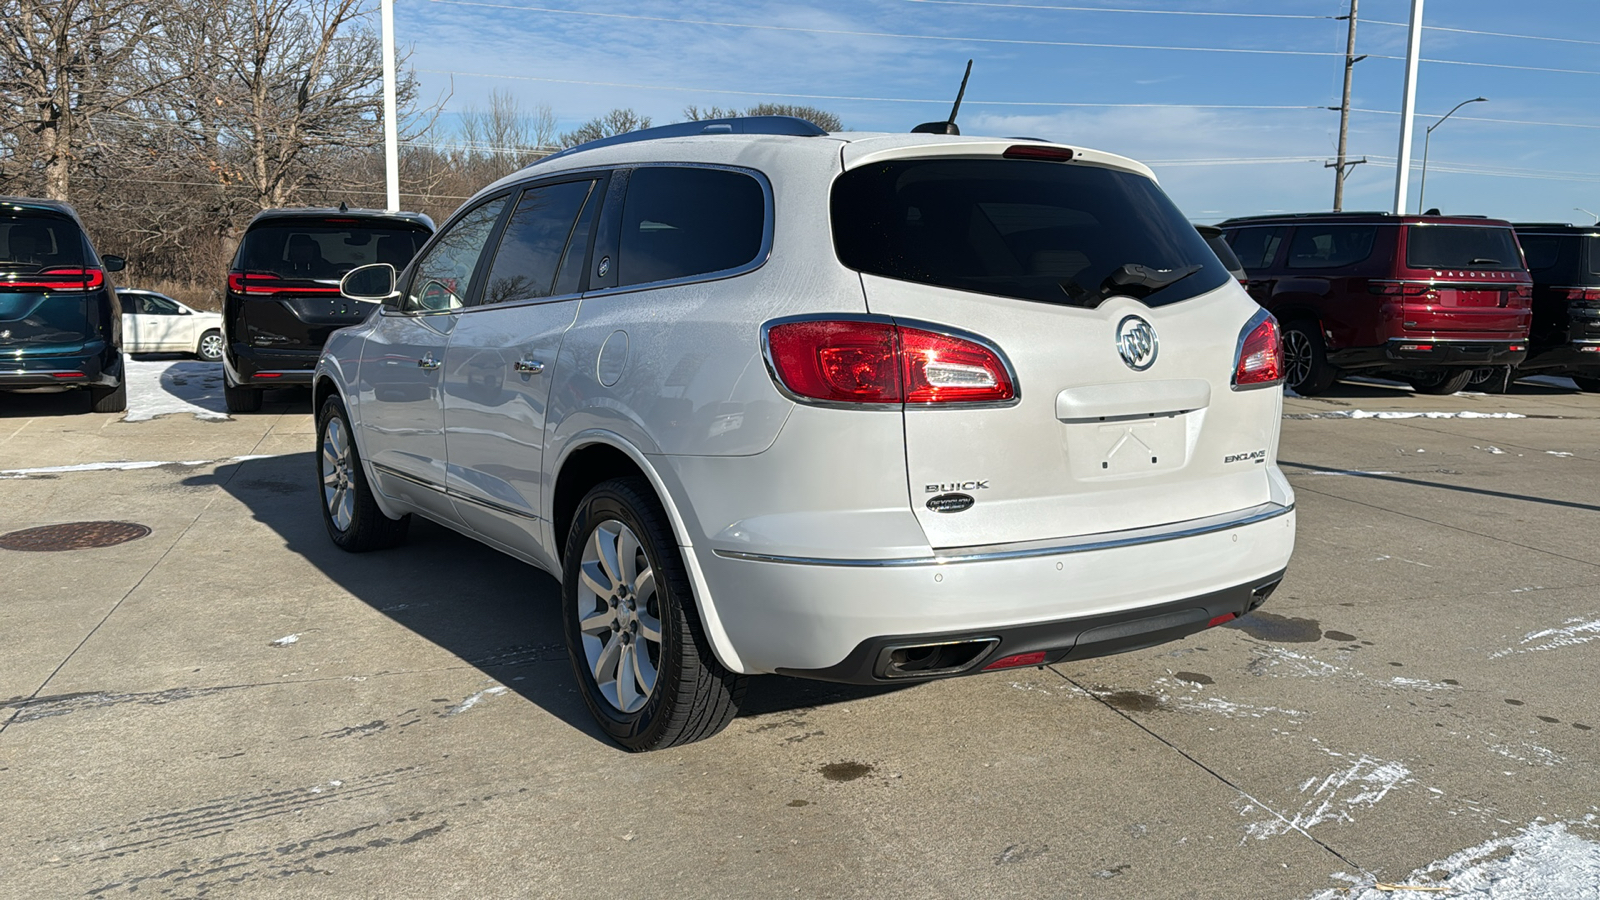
(283, 299)
(1565, 338)
(60, 322)
(1219, 246)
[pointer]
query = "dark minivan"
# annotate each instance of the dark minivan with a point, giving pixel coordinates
(1565, 263)
(1428, 300)
(283, 297)
(60, 322)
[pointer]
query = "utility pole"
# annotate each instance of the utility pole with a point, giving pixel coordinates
(391, 139)
(1350, 60)
(1408, 109)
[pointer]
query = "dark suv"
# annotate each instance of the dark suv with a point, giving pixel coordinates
(60, 323)
(1565, 263)
(283, 297)
(1425, 299)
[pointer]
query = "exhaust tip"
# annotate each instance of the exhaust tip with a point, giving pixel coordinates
(928, 660)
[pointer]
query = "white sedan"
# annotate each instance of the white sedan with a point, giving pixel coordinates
(156, 323)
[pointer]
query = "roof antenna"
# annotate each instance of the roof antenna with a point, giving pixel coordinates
(343, 207)
(948, 126)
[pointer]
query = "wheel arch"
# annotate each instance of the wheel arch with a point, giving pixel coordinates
(594, 456)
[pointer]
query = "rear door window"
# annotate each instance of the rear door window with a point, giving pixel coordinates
(1257, 247)
(321, 250)
(685, 222)
(1330, 246)
(535, 240)
(443, 279)
(1041, 231)
(1461, 247)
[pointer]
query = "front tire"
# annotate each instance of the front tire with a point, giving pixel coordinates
(1443, 381)
(210, 346)
(640, 654)
(1306, 368)
(351, 514)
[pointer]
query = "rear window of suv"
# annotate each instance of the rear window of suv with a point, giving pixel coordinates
(1041, 231)
(322, 250)
(1461, 247)
(30, 244)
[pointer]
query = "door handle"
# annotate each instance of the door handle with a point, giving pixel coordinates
(530, 366)
(428, 362)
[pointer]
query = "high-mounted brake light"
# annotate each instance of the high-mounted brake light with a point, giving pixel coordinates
(1260, 359)
(60, 278)
(875, 362)
(1035, 151)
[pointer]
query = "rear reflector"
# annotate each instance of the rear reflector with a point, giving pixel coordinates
(68, 374)
(260, 375)
(1036, 658)
(1035, 151)
(875, 362)
(1420, 348)
(1516, 347)
(1225, 617)
(1260, 361)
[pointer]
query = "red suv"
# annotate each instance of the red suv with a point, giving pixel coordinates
(1424, 299)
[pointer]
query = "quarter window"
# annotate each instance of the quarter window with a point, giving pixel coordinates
(443, 279)
(681, 222)
(1330, 246)
(536, 236)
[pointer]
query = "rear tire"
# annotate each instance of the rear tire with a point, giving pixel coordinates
(638, 650)
(1443, 381)
(109, 400)
(210, 347)
(351, 514)
(240, 399)
(1587, 385)
(1492, 379)
(1306, 369)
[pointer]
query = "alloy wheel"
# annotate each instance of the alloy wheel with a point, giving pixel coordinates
(619, 616)
(338, 475)
(1297, 356)
(211, 347)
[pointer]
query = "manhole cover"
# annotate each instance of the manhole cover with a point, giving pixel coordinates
(73, 536)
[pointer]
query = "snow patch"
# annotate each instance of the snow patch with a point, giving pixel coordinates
(1402, 414)
(1332, 798)
(125, 465)
(1495, 450)
(1234, 710)
(1571, 633)
(286, 640)
(1558, 453)
(474, 700)
(1543, 860)
(162, 388)
(1419, 684)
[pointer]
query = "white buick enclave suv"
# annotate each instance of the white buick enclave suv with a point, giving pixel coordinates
(868, 408)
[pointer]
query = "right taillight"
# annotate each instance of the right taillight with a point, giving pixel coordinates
(1585, 294)
(1260, 359)
(875, 362)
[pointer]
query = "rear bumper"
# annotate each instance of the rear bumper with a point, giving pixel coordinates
(100, 367)
(253, 367)
(1074, 598)
(1578, 356)
(1426, 352)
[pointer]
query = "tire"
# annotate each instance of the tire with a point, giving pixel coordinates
(1305, 359)
(109, 400)
(349, 511)
(210, 346)
(1442, 381)
(1587, 385)
(1492, 379)
(240, 399)
(611, 602)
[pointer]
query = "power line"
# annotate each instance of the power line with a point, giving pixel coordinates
(1107, 9)
(1503, 34)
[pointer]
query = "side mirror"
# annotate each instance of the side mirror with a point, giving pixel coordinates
(372, 283)
(113, 263)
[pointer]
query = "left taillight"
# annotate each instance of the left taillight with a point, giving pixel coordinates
(1259, 362)
(849, 361)
(60, 278)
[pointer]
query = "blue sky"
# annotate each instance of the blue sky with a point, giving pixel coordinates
(1042, 69)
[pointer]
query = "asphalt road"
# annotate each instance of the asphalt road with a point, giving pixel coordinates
(230, 706)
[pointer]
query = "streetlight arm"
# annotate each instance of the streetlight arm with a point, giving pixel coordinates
(1427, 138)
(1453, 112)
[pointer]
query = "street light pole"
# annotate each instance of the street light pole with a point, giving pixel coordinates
(1427, 138)
(1408, 108)
(391, 128)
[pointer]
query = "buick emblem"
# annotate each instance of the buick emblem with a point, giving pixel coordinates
(1136, 341)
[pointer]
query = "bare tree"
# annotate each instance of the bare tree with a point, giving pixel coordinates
(505, 135)
(62, 62)
(615, 122)
(821, 118)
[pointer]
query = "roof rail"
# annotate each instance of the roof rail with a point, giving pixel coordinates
(786, 125)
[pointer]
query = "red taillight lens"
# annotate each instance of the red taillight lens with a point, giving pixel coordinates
(60, 278)
(1521, 295)
(1034, 151)
(1260, 361)
(845, 361)
(1036, 658)
(256, 285)
(236, 282)
(1588, 294)
(1398, 288)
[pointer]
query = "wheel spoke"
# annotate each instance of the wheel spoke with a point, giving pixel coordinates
(605, 662)
(347, 502)
(627, 551)
(598, 621)
(627, 678)
(605, 547)
(589, 575)
(643, 669)
(644, 587)
(649, 626)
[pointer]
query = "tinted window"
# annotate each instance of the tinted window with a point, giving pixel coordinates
(34, 243)
(313, 249)
(1330, 246)
(1591, 246)
(1256, 247)
(1545, 251)
(536, 235)
(443, 279)
(157, 305)
(1039, 231)
(1460, 247)
(679, 222)
(1230, 261)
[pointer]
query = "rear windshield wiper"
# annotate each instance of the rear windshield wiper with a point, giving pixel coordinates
(1483, 260)
(1133, 275)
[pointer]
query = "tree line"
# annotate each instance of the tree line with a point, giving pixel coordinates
(168, 125)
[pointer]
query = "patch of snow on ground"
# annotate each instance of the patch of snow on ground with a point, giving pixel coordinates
(1234, 710)
(1542, 861)
(474, 700)
(286, 640)
(1491, 449)
(1332, 798)
(1419, 684)
(1403, 414)
(125, 466)
(1571, 633)
(165, 387)
(1558, 453)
